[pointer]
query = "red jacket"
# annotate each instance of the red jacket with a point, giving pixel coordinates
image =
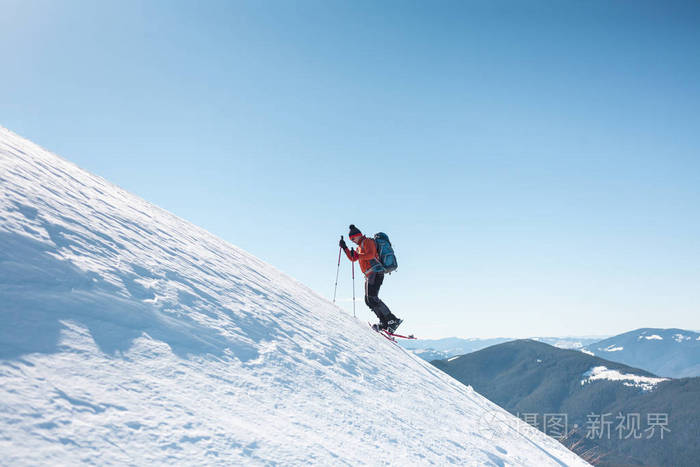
(366, 252)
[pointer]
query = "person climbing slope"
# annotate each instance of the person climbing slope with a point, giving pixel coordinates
(366, 255)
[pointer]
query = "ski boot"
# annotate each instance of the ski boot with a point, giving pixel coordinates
(393, 324)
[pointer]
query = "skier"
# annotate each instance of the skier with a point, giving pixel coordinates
(366, 254)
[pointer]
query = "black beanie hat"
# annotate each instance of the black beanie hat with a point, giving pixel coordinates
(354, 231)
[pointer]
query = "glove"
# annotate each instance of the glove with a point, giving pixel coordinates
(342, 244)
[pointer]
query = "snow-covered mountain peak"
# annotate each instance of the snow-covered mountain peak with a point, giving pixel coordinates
(133, 337)
(665, 352)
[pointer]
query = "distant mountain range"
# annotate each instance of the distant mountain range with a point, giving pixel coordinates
(667, 352)
(589, 402)
(673, 353)
(439, 349)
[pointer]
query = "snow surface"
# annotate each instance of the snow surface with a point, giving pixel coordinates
(612, 348)
(572, 345)
(652, 337)
(130, 336)
(587, 352)
(680, 337)
(646, 383)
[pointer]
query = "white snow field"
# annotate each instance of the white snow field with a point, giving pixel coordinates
(646, 383)
(132, 337)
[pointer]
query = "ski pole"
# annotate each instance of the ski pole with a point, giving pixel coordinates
(336, 272)
(353, 286)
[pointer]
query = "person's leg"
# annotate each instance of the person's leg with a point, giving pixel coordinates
(372, 285)
(371, 293)
(383, 309)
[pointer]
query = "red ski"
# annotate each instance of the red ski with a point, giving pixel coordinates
(410, 336)
(390, 335)
(384, 333)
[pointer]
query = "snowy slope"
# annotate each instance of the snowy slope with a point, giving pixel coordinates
(130, 336)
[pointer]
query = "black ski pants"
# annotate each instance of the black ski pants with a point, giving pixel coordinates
(373, 281)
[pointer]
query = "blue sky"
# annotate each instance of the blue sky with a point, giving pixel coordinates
(536, 164)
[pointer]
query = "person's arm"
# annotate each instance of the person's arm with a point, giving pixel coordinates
(351, 254)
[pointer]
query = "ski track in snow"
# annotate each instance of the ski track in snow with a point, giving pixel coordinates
(130, 336)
